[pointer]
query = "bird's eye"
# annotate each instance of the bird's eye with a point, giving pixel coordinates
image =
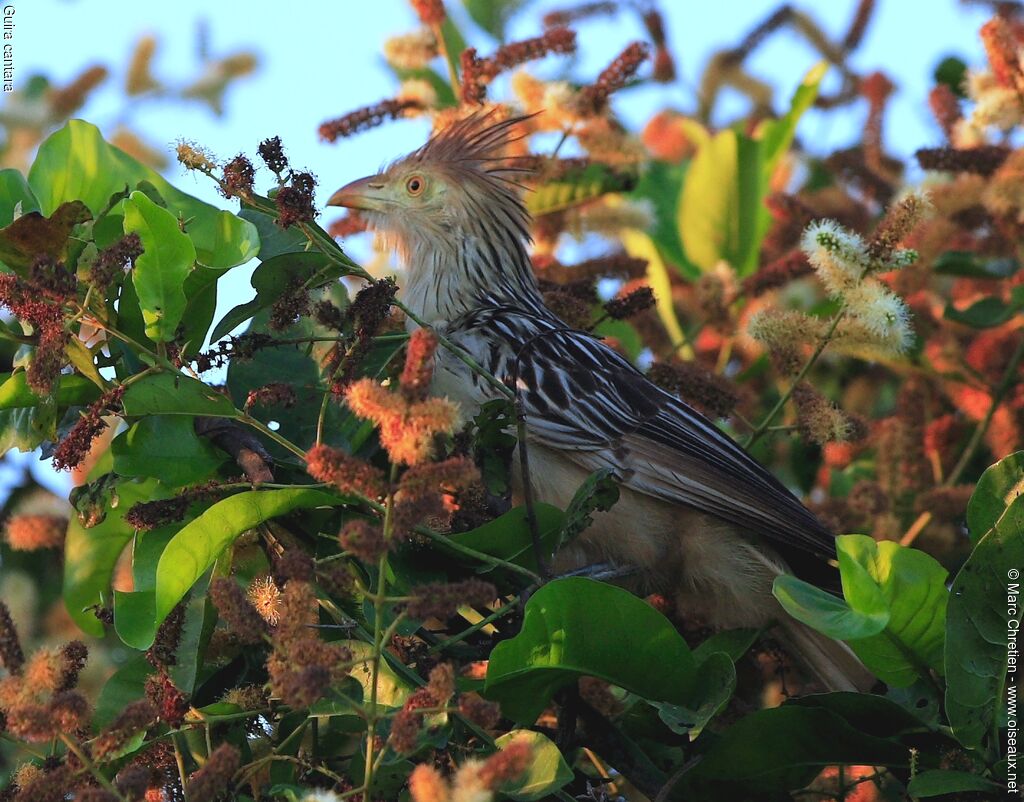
(414, 186)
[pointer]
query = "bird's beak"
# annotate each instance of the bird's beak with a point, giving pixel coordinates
(366, 193)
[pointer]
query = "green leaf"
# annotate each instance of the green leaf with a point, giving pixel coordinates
(75, 163)
(782, 749)
(893, 615)
(160, 271)
(777, 135)
(25, 428)
(734, 642)
(971, 265)
(508, 536)
(546, 774)
(125, 686)
(661, 183)
(712, 690)
(824, 612)
(983, 597)
(492, 15)
(999, 486)
(90, 554)
(598, 493)
(166, 448)
(938, 782)
(988, 312)
(71, 390)
(867, 713)
(577, 627)
(197, 546)
(170, 394)
(14, 189)
(272, 279)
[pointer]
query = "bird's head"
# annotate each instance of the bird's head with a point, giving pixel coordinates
(460, 184)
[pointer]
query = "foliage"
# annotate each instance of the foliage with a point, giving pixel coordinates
(296, 571)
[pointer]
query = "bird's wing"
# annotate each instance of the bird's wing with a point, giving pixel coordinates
(583, 399)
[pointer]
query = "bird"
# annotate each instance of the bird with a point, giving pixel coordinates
(698, 521)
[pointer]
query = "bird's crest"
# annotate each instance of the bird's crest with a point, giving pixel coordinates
(477, 142)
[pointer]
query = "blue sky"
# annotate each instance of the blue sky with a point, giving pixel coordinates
(320, 59)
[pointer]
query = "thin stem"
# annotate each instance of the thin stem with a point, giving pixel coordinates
(284, 442)
(762, 427)
(449, 60)
(89, 766)
(480, 556)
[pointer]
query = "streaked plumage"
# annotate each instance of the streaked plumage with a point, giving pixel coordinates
(700, 518)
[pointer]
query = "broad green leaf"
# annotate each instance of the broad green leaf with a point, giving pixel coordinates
(160, 271)
(598, 493)
(893, 613)
(90, 554)
(197, 546)
(166, 448)
(71, 390)
(713, 688)
(169, 394)
(75, 163)
(661, 183)
(492, 15)
(824, 612)
(454, 43)
(546, 774)
(984, 592)
(125, 686)
(14, 189)
(577, 627)
(939, 782)
(911, 585)
(867, 713)
(272, 279)
(782, 749)
(999, 486)
(508, 536)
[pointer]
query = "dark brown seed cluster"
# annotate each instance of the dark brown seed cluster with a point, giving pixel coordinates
(366, 118)
(275, 394)
(592, 99)
(113, 260)
(631, 304)
(980, 160)
(272, 153)
(236, 610)
(710, 393)
(348, 474)
(295, 202)
(238, 178)
(75, 447)
(478, 72)
(441, 600)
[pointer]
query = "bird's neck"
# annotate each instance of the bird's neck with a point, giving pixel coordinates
(466, 272)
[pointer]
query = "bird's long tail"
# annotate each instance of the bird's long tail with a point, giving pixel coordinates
(831, 662)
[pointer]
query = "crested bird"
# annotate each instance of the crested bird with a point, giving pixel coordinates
(699, 520)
